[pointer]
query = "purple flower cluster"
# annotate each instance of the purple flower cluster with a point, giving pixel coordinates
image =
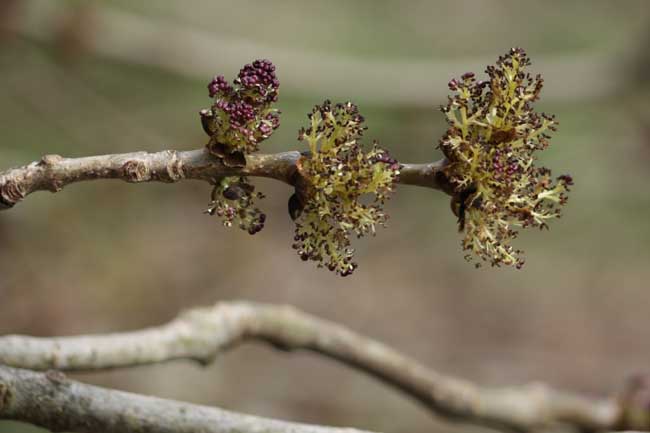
(259, 77)
(218, 85)
(504, 164)
(242, 115)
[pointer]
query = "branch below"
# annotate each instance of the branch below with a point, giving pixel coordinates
(53, 172)
(202, 334)
(54, 402)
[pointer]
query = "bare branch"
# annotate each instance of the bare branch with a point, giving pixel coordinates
(53, 172)
(52, 401)
(202, 334)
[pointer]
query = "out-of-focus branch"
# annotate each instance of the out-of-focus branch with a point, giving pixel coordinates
(143, 39)
(53, 172)
(52, 401)
(202, 334)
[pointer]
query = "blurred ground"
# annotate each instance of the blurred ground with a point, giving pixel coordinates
(109, 256)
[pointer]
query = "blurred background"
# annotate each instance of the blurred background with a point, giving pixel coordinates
(82, 78)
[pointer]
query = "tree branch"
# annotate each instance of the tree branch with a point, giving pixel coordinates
(53, 172)
(202, 334)
(54, 402)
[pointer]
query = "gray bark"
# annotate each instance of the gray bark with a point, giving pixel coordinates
(52, 401)
(53, 172)
(202, 334)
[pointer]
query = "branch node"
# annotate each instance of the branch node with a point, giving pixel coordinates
(50, 160)
(55, 186)
(441, 179)
(5, 396)
(56, 377)
(136, 171)
(634, 402)
(11, 193)
(175, 167)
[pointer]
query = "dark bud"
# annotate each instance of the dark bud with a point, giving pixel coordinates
(234, 192)
(216, 148)
(249, 188)
(295, 207)
(454, 204)
(234, 159)
(206, 121)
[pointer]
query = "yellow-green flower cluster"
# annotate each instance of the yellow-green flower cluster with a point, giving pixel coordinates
(342, 189)
(490, 146)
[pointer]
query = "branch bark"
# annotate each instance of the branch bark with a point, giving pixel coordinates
(52, 401)
(53, 172)
(201, 334)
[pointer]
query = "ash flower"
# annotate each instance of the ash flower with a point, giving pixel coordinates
(258, 81)
(240, 118)
(232, 200)
(342, 190)
(219, 85)
(490, 146)
(242, 115)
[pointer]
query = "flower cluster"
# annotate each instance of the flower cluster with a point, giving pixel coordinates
(240, 118)
(342, 189)
(232, 200)
(490, 147)
(242, 114)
